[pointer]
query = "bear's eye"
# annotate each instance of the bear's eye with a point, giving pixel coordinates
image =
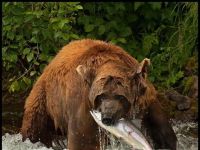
(124, 101)
(120, 97)
(101, 97)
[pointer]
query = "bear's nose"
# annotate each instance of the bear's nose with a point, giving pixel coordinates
(108, 120)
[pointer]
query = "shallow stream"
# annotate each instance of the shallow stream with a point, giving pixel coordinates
(187, 134)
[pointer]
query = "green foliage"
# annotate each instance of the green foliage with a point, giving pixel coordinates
(160, 31)
(121, 24)
(179, 46)
(34, 32)
(187, 83)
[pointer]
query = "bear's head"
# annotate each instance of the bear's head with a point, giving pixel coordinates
(114, 88)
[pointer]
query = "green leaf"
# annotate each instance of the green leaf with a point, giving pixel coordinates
(32, 73)
(6, 4)
(26, 51)
(126, 32)
(79, 7)
(65, 37)
(38, 14)
(122, 40)
(30, 57)
(36, 63)
(148, 42)
(27, 80)
(14, 86)
(152, 78)
(99, 21)
(58, 34)
(11, 79)
(63, 22)
(14, 46)
(50, 58)
(180, 74)
(113, 25)
(19, 38)
(43, 57)
(111, 36)
(34, 39)
(10, 35)
(4, 49)
(12, 57)
(7, 28)
(101, 30)
(35, 31)
(22, 85)
(7, 21)
(113, 41)
(52, 20)
(46, 34)
(83, 20)
(42, 66)
(61, 11)
(74, 36)
(28, 17)
(88, 28)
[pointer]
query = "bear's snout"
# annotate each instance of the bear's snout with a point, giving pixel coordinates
(111, 111)
(108, 120)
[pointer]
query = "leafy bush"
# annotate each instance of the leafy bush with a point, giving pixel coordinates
(180, 45)
(123, 24)
(33, 33)
(164, 32)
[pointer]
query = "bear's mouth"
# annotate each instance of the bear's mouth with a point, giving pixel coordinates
(108, 120)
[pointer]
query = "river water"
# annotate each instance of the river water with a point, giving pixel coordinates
(187, 134)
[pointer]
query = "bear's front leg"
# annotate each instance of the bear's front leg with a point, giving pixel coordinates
(159, 128)
(35, 120)
(83, 136)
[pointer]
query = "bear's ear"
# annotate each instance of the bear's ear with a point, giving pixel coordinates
(87, 74)
(143, 67)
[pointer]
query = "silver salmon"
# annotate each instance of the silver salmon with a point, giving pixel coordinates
(125, 130)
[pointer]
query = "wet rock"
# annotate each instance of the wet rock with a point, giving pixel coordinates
(171, 109)
(188, 115)
(183, 106)
(182, 102)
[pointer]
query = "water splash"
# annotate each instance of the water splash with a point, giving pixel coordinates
(186, 133)
(14, 142)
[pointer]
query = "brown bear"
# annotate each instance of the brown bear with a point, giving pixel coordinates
(86, 75)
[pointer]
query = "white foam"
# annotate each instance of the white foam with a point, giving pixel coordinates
(185, 142)
(14, 141)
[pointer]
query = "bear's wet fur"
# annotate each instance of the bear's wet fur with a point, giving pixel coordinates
(69, 88)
